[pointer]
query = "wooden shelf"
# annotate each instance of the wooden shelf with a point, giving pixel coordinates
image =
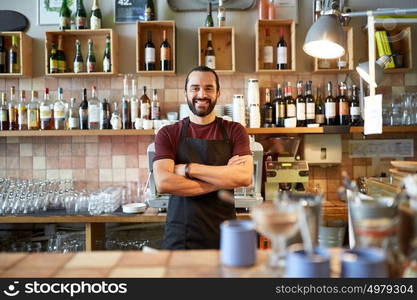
(333, 62)
(99, 40)
(223, 39)
(25, 53)
(388, 129)
(108, 132)
(157, 28)
(280, 130)
(289, 37)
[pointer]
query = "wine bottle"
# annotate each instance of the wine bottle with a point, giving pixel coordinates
(282, 59)
(12, 109)
(80, 16)
(355, 109)
(125, 109)
(209, 18)
(319, 107)
(165, 51)
(78, 59)
(91, 58)
(155, 107)
(267, 110)
(149, 11)
(64, 16)
(268, 50)
(221, 15)
(4, 113)
(310, 104)
(330, 106)
(105, 114)
(107, 56)
(22, 114)
(73, 115)
(300, 105)
(290, 107)
(62, 63)
(2, 56)
(343, 102)
(45, 111)
(33, 112)
(279, 107)
(145, 106)
(95, 18)
(83, 111)
(53, 60)
(59, 111)
(210, 57)
(149, 53)
(13, 56)
(94, 110)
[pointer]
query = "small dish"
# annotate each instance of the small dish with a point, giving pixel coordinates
(134, 208)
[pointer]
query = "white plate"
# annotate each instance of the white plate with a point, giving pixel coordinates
(134, 208)
(408, 166)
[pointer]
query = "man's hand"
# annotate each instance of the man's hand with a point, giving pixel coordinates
(180, 169)
(236, 160)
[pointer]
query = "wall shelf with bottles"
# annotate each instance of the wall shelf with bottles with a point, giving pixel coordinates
(98, 36)
(156, 28)
(275, 27)
(24, 59)
(401, 44)
(332, 65)
(223, 40)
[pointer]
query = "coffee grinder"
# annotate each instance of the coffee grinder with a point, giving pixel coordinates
(283, 171)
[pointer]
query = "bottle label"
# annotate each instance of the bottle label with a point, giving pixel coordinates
(13, 58)
(144, 111)
(155, 112)
(53, 66)
(59, 113)
(3, 115)
(324, 64)
(148, 14)
(45, 112)
(84, 115)
(78, 67)
(165, 53)
(282, 55)
(134, 110)
(320, 119)
(33, 118)
(64, 22)
(343, 108)
(91, 66)
(268, 116)
(93, 113)
(12, 114)
(211, 61)
(301, 111)
(281, 111)
(149, 55)
(80, 21)
(355, 110)
(221, 17)
(311, 111)
(22, 117)
(268, 55)
(62, 65)
(73, 123)
(291, 110)
(330, 110)
(106, 64)
(95, 23)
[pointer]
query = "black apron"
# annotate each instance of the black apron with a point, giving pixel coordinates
(194, 222)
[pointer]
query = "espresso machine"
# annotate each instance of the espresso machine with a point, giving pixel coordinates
(245, 197)
(283, 171)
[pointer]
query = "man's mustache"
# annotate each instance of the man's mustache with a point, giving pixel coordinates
(201, 99)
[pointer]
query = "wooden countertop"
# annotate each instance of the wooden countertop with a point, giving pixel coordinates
(133, 264)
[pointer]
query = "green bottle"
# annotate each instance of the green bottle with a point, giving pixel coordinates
(209, 19)
(91, 58)
(78, 59)
(149, 11)
(64, 16)
(107, 56)
(95, 18)
(53, 60)
(80, 16)
(62, 64)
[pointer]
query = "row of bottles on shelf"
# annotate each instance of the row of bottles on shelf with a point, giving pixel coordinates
(164, 54)
(9, 58)
(58, 62)
(80, 16)
(91, 113)
(305, 109)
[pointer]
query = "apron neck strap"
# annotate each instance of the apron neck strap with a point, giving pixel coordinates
(219, 123)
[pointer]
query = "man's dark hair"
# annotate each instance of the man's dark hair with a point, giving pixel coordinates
(203, 69)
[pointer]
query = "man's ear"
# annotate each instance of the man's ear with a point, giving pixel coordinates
(218, 94)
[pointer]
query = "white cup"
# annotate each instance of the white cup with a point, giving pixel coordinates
(157, 124)
(172, 116)
(147, 124)
(139, 123)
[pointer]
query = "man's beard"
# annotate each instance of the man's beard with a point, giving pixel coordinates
(192, 105)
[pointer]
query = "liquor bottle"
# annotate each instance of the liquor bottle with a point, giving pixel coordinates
(263, 9)
(221, 15)
(13, 56)
(94, 106)
(91, 58)
(62, 64)
(165, 51)
(115, 121)
(33, 112)
(105, 114)
(53, 60)
(2, 56)
(145, 106)
(12, 109)
(210, 56)
(45, 110)
(279, 107)
(64, 16)
(73, 115)
(4, 113)
(83, 111)
(319, 107)
(267, 110)
(290, 107)
(22, 113)
(330, 106)
(149, 53)
(155, 107)
(107, 56)
(355, 109)
(149, 11)
(268, 50)
(317, 9)
(80, 16)
(282, 59)
(272, 10)
(310, 104)
(134, 104)
(343, 102)
(59, 111)
(95, 18)
(300, 105)
(125, 106)
(209, 18)
(78, 59)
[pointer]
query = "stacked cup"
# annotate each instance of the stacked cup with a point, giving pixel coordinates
(253, 103)
(239, 110)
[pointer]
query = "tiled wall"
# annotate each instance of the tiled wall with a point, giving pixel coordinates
(102, 160)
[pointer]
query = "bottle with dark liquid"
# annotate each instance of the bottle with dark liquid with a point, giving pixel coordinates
(107, 56)
(91, 58)
(13, 56)
(149, 53)
(3, 63)
(4, 113)
(330, 106)
(279, 107)
(209, 19)
(282, 59)
(300, 105)
(62, 64)
(105, 114)
(165, 51)
(45, 110)
(64, 16)
(83, 111)
(80, 16)
(268, 110)
(343, 101)
(319, 107)
(355, 109)
(12, 108)
(310, 104)
(149, 11)
(290, 107)
(95, 18)
(78, 59)
(53, 60)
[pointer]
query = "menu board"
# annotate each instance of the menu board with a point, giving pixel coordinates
(381, 148)
(129, 11)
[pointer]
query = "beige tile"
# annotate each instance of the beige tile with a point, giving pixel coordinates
(101, 259)
(105, 175)
(144, 81)
(38, 83)
(12, 163)
(91, 162)
(118, 161)
(155, 272)
(91, 139)
(119, 175)
(12, 139)
(39, 174)
(65, 174)
(52, 174)
(410, 79)
(398, 90)
(26, 150)
(91, 149)
(25, 84)
(38, 149)
(143, 161)
(132, 174)
(26, 163)
(78, 139)
(171, 95)
(157, 82)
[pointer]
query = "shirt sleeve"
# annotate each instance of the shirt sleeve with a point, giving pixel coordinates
(240, 140)
(165, 147)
